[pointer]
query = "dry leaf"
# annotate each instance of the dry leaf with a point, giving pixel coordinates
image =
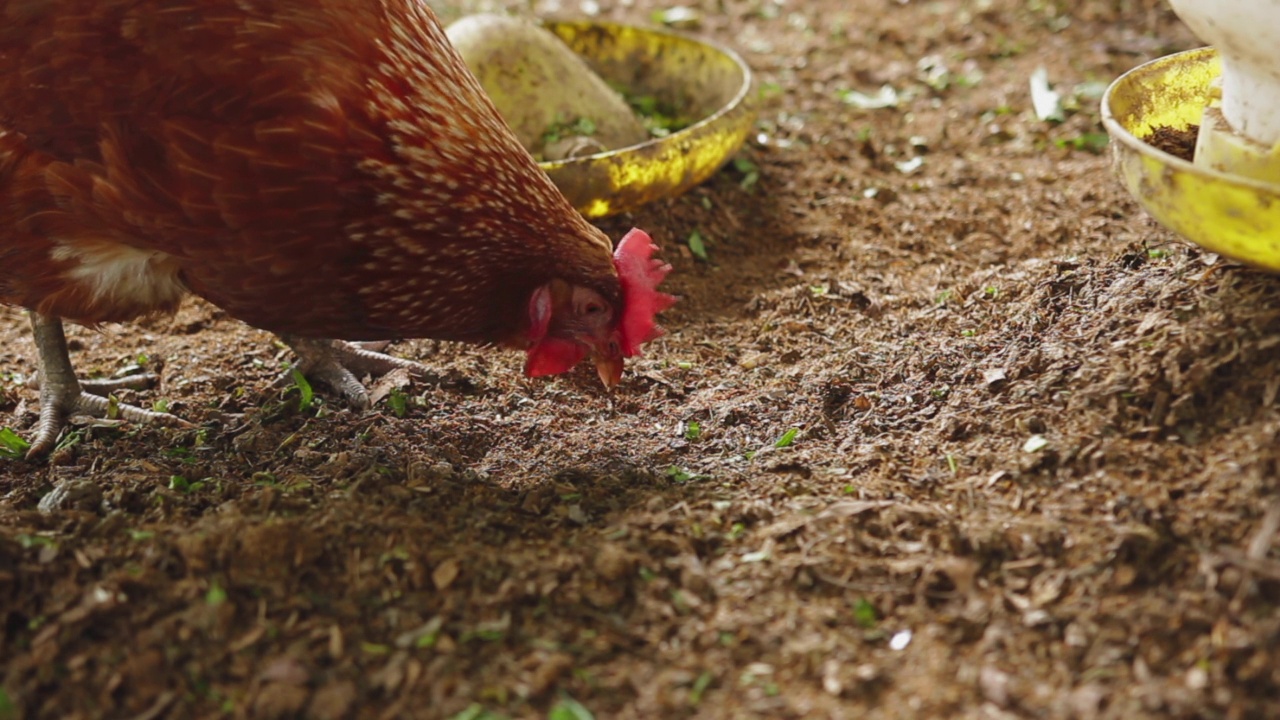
(445, 573)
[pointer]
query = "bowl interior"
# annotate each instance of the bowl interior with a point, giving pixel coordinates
(707, 85)
(693, 76)
(1169, 92)
(1236, 216)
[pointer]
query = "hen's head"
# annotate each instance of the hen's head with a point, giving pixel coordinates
(569, 323)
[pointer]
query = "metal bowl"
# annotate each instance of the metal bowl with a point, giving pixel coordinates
(703, 79)
(1235, 216)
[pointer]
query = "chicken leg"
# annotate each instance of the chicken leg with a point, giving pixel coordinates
(62, 394)
(338, 363)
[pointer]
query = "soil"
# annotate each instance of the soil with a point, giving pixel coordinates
(943, 426)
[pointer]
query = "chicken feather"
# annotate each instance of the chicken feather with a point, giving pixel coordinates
(317, 168)
(344, 173)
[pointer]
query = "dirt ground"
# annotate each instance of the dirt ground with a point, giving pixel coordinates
(943, 426)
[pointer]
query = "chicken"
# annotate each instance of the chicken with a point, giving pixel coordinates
(327, 170)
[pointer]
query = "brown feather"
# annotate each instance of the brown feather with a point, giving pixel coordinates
(316, 167)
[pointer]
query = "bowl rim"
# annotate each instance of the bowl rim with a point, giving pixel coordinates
(1136, 144)
(734, 103)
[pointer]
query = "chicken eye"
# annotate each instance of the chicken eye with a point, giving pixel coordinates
(594, 308)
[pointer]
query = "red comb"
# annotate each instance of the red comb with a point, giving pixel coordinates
(640, 273)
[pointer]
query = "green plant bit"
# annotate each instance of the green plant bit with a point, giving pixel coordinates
(305, 394)
(564, 127)
(697, 246)
(659, 118)
(12, 445)
(787, 438)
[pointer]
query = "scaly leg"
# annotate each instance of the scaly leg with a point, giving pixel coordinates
(62, 395)
(106, 386)
(337, 362)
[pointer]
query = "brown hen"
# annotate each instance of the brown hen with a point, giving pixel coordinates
(318, 168)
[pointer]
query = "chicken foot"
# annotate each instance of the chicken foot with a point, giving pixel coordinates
(107, 386)
(62, 394)
(337, 363)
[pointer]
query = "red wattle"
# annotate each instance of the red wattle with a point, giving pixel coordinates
(552, 356)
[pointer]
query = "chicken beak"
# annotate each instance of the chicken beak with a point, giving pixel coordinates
(609, 369)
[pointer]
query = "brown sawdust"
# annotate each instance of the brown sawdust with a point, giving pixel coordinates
(1178, 142)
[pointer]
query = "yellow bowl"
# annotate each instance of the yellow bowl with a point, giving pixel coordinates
(1228, 214)
(705, 80)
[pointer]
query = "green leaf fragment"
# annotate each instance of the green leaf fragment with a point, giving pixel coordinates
(864, 614)
(749, 170)
(12, 445)
(692, 431)
(399, 402)
(787, 438)
(697, 246)
(680, 475)
(700, 686)
(565, 128)
(1093, 142)
(29, 541)
(305, 394)
(7, 709)
(569, 709)
(216, 594)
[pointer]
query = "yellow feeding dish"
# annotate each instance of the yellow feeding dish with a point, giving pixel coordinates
(1228, 214)
(706, 82)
